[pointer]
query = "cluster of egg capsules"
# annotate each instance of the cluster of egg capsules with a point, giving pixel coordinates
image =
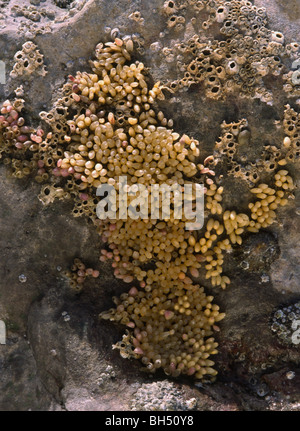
(116, 132)
(269, 199)
(21, 143)
(78, 274)
(131, 139)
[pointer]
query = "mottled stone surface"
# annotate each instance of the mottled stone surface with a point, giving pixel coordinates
(58, 354)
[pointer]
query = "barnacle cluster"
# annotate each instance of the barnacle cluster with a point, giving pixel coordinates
(28, 60)
(105, 126)
(29, 12)
(246, 52)
(36, 17)
(285, 323)
(292, 80)
(32, 29)
(231, 147)
(50, 192)
(137, 17)
(78, 273)
(161, 396)
(20, 143)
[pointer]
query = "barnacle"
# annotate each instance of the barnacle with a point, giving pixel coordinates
(28, 60)
(285, 323)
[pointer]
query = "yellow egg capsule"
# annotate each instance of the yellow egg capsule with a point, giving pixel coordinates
(192, 241)
(256, 190)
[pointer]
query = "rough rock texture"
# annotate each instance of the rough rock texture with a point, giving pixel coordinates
(58, 354)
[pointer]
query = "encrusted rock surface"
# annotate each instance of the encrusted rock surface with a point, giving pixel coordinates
(58, 354)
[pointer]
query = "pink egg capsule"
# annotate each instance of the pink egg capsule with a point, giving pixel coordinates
(76, 97)
(64, 172)
(204, 171)
(168, 314)
(40, 163)
(40, 132)
(56, 172)
(208, 159)
(172, 367)
(22, 138)
(139, 336)
(14, 114)
(135, 342)
(35, 138)
(133, 291)
(83, 196)
(128, 279)
(130, 325)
